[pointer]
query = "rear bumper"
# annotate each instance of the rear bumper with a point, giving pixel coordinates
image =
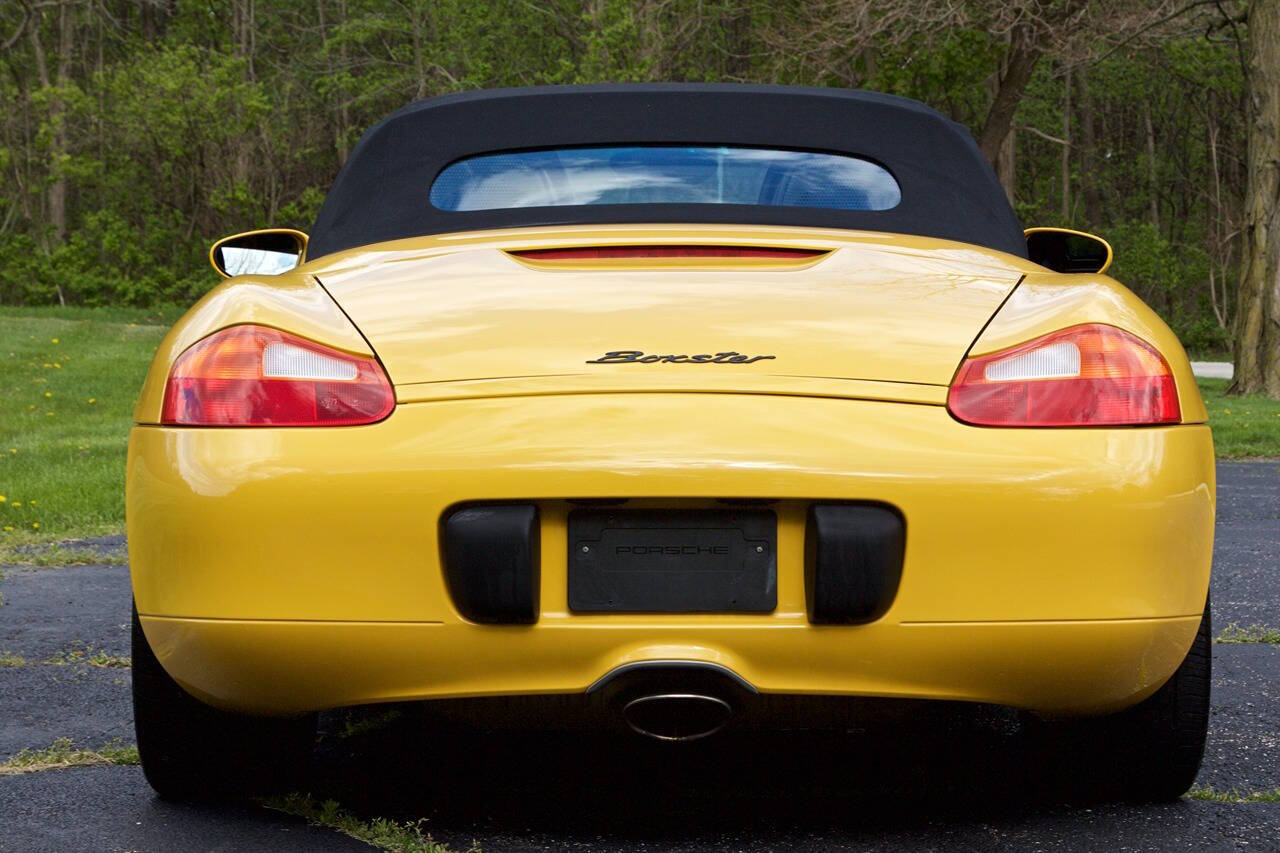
(1059, 667)
(282, 570)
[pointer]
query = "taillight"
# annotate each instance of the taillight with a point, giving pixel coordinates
(255, 376)
(1092, 375)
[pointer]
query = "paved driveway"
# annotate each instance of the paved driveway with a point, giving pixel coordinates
(952, 780)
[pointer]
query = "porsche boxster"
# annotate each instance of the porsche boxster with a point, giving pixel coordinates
(665, 401)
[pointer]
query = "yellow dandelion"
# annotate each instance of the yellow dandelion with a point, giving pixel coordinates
(48, 414)
(8, 528)
(57, 366)
(35, 525)
(32, 406)
(48, 393)
(47, 365)
(16, 504)
(53, 340)
(2, 499)
(1228, 411)
(31, 503)
(92, 400)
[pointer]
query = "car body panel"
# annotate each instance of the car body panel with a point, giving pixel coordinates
(856, 313)
(305, 526)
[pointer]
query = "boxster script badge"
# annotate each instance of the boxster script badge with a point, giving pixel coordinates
(632, 356)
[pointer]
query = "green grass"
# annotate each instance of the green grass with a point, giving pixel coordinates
(1243, 427)
(89, 655)
(1234, 796)
(7, 659)
(356, 728)
(61, 455)
(61, 754)
(1233, 633)
(56, 554)
(381, 833)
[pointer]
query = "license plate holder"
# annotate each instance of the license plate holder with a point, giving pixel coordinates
(673, 561)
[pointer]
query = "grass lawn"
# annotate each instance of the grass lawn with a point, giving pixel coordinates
(1242, 426)
(68, 381)
(69, 378)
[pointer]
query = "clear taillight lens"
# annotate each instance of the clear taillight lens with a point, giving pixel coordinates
(1091, 375)
(256, 376)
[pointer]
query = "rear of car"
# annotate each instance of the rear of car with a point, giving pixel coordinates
(668, 466)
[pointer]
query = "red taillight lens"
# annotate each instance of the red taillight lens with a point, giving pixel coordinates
(255, 376)
(1091, 375)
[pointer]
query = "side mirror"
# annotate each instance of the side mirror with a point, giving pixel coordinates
(1064, 250)
(270, 251)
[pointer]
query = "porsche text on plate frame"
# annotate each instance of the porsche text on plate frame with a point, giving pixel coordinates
(661, 399)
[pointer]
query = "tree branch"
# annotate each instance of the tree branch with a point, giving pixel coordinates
(1043, 135)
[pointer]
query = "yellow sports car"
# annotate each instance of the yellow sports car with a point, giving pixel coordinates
(671, 401)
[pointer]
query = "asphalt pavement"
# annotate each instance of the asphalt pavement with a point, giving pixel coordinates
(957, 778)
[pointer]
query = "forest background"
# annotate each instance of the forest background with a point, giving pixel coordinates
(135, 132)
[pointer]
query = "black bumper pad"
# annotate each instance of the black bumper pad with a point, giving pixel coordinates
(853, 562)
(491, 560)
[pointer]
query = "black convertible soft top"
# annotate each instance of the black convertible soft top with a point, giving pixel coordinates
(948, 190)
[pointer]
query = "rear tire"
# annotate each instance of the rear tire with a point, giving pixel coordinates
(1152, 751)
(191, 751)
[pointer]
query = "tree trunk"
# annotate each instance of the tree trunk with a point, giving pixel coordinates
(1066, 149)
(1257, 327)
(242, 30)
(1088, 147)
(344, 119)
(994, 140)
(147, 14)
(1214, 228)
(419, 63)
(1153, 184)
(1005, 165)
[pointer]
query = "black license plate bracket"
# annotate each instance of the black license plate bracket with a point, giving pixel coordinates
(673, 561)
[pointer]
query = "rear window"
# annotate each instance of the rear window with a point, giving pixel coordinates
(664, 175)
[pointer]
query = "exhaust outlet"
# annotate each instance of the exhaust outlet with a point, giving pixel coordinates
(678, 717)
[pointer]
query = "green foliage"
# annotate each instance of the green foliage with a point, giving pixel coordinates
(177, 123)
(1165, 274)
(1204, 337)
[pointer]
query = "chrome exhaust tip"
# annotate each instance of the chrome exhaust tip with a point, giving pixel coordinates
(677, 717)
